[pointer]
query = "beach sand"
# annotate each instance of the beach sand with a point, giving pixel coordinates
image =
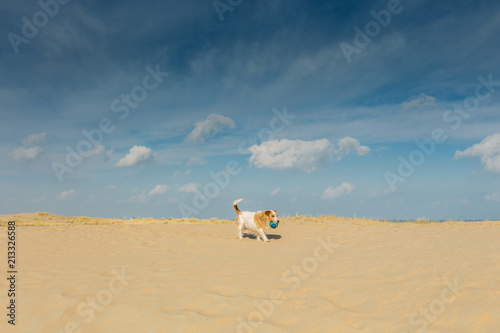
(315, 275)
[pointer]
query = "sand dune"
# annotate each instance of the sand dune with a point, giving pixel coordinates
(316, 275)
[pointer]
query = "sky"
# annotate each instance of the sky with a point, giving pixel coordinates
(375, 109)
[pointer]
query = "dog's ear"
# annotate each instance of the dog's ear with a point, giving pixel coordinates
(267, 216)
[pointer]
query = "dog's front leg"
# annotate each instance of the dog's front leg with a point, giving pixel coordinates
(263, 235)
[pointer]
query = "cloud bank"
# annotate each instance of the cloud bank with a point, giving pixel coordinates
(301, 155)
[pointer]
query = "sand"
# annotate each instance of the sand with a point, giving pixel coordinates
(315, 275)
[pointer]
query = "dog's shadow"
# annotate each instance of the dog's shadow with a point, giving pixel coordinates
(269, 236)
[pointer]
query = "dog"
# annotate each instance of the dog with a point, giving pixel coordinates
(255, 222)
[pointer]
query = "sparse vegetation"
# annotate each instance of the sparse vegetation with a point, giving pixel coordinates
(47, 219)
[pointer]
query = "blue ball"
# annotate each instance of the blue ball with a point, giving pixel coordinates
(273, 224)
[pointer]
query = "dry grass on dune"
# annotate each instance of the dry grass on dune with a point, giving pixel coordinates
(47, 219)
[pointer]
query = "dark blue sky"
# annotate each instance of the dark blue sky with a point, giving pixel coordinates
(224, 79)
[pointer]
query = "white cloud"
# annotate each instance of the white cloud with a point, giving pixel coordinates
(25, 154)
(66, 194)
(335, 192)
(209, 127)
(383, 190)
(98, 150)
(419, 101)
(291, 154)
(302, 155)
(493, 197)
(138, 198)
(43, 197)
(276, 191)
(348, 145)
(159, 189)
(488, 150)
(188, 188)
(196, 161)
(436, 203)
(34, 138)
(137, 155)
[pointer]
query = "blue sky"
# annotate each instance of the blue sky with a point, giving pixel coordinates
(380, 109)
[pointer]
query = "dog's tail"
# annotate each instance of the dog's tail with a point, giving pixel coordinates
(235, 206)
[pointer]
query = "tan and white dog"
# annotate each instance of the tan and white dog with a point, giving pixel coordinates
(255, 222)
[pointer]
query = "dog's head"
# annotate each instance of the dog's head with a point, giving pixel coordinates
(271, 215)
(263, 218)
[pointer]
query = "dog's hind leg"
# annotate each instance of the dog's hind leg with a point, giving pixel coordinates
(239, 235)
